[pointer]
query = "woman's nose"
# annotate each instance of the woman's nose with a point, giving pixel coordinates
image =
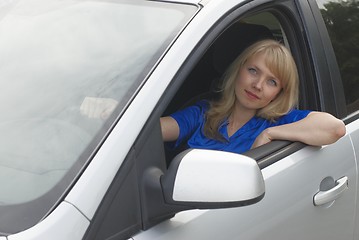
(257, 84)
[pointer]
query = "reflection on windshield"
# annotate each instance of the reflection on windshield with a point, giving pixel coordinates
(55, 55)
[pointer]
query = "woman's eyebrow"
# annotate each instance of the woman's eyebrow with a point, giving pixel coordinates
(270, 75)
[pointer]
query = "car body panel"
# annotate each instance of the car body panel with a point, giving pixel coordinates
(353, 130)
(291, 184)
(184, 1)
(65, 222)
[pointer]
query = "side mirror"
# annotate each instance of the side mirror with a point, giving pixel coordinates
(208, 179)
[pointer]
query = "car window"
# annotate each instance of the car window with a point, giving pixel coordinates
(62, 63)
(342, 22)
(203, 82)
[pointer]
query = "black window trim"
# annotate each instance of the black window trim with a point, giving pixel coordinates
(332, 98)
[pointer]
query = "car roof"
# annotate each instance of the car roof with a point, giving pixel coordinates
(187, 1)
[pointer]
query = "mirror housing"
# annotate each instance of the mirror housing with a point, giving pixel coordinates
(209, 179)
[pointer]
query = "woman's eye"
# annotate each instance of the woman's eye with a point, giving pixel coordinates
(272, 82)
(252, 70)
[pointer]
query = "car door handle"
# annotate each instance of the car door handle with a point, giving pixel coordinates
(323, 197)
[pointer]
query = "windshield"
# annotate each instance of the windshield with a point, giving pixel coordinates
(61, 61)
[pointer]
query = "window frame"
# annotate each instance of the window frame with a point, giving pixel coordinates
(288, 16)
(328, 78)
(337, 81)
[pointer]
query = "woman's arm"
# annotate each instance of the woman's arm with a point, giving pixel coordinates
(317, 129)
(169, 128)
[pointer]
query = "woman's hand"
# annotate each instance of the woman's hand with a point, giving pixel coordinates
(262, 139)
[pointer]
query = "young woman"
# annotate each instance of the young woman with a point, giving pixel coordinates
(257, 105)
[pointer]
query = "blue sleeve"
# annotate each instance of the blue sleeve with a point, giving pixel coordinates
(293, 116)
(189, 119)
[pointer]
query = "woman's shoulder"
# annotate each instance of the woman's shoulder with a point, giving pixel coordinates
(203, 104)
(192, 111)
(293, 115)
(200, 106)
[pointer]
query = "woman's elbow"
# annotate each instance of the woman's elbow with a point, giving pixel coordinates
(333, 128)
(340, 129)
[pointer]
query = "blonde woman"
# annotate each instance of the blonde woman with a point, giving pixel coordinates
(257, 105)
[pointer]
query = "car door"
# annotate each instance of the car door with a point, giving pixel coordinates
(341, 24)
(311, 192)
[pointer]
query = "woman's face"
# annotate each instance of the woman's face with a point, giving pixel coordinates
(256, 86)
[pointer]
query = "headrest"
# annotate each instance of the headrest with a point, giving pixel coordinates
(234, 40)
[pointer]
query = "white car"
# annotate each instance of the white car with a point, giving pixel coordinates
(84, 83)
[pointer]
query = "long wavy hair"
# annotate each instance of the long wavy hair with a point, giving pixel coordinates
(280, 62)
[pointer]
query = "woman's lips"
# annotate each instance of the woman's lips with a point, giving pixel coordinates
(251, 95)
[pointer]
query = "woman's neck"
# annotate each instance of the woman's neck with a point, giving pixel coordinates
(238, 118)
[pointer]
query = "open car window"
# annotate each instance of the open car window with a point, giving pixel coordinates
(204, 79)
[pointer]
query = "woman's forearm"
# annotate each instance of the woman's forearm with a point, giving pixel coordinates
(317, 129)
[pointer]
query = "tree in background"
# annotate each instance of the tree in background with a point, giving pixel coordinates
(342, 21)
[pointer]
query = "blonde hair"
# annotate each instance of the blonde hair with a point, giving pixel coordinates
(280, 62)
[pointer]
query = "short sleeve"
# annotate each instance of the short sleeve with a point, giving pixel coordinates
(189, 119)
(293, 116)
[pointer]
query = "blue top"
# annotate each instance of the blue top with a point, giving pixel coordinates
(191, 121)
